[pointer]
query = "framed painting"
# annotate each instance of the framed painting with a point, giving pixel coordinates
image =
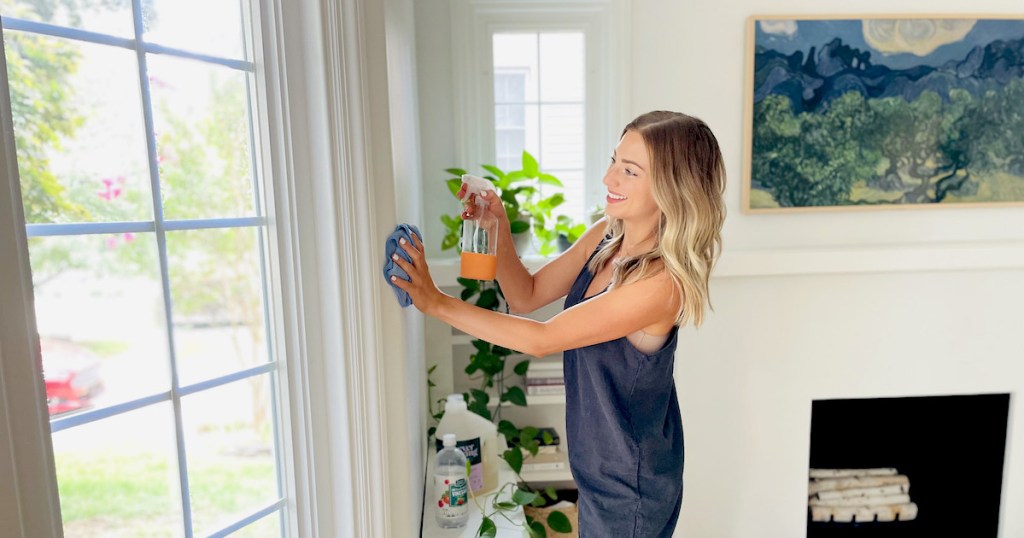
(883, 112)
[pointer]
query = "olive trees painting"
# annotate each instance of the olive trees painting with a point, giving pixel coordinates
(873, 112)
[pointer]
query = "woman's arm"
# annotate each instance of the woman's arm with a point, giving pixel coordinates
(608, 316)
(525, 292)
(555, 278)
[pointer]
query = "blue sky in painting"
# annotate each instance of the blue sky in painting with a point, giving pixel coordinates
(818, 32)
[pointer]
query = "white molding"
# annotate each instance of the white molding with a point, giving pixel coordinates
(29, 503)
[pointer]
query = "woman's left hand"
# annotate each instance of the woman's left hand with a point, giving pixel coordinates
(420, 286)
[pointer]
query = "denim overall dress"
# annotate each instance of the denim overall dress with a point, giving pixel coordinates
(625, 434)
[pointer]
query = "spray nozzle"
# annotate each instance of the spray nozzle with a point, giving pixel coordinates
(476, 185)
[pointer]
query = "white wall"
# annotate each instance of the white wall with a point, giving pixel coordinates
(871, 303)
(437, 116)
(746, 379)
(807, 306)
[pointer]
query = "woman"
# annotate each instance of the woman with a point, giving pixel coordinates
(630, 282)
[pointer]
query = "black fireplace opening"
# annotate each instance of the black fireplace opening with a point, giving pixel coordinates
(946, 453)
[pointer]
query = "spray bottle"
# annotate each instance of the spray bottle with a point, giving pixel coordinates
(479, 259)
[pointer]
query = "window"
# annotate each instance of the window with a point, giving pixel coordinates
(144, 203)
(539, 106)
(548, 77)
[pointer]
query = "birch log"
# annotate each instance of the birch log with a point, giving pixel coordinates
(862, 492)
(864, 514)
(843, 473)
(873, 500)
(832, 484)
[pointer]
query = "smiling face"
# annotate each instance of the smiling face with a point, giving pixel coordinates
(628, 180)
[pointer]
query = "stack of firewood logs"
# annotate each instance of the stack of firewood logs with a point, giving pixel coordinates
(860, 495)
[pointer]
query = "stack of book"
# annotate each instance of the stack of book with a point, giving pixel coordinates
(860, 496)
(548, 456)
(544, 377)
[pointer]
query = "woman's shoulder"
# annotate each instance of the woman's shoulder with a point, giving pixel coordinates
(594, 237)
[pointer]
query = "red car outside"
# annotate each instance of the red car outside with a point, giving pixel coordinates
(72, 376)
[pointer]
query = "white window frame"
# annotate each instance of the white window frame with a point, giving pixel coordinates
(159, 225)
(605, 25)
(311, 63)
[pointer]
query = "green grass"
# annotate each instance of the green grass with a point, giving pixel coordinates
(105, 348)
(136, 494)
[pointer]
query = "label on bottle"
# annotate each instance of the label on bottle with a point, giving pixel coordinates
(452, 494)
(473, 449)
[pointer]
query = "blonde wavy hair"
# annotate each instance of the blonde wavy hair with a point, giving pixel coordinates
(688, 180)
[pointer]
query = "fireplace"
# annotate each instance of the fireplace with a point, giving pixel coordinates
(907, 467)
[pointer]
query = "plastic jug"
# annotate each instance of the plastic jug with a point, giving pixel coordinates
(479, 258)
(477, 437)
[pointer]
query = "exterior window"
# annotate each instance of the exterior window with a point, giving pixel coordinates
(540, 106)
(143, 195)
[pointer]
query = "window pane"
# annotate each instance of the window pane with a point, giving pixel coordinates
(562, 136)
(518, 52)
(510, 135)
(79, 130)
(510, 117)
(212, 27)
(509, 87)
(510, 148)
(574, 194)
(202, 125)
(217, 295)
(532, 131)
(561, 66)
(103, 17)
(119, 476)
(100, 315)
(230, 447)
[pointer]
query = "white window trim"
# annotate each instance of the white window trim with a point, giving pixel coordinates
(313, 63)
(606, 25)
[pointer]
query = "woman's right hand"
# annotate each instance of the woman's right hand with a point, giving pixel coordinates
(494, 205)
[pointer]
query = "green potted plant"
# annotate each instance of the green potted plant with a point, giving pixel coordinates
(530, 216)
(526, 206)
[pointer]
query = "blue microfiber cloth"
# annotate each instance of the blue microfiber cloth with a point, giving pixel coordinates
(402, 231)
